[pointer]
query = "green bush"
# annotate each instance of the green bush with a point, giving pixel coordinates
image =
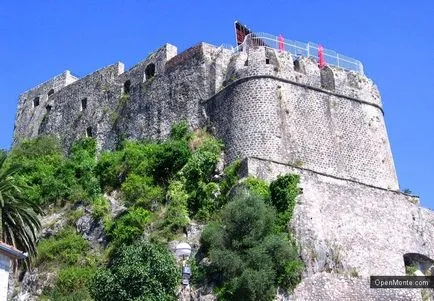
(67, 248)
(180, 131)
(100, 207)
(110, 170)
(40, 162)
(197, 175)
(82, 163)
(140, 191)
(284, 191)
(248, 260)
(142, 271)
(177, 214)
(71, 280)
(129, 227)
(258, 187)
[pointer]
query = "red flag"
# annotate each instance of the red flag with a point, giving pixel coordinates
(321, 60)
(281, 44)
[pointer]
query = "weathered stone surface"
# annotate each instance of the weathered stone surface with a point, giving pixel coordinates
(33, 284)
(332, 287)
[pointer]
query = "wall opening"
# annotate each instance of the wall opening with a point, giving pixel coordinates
(246, 63)
(127, 87)
(51, 92)
(83, 104)
(418, 264)
(267, 61)
(89, 132)
(36, 102)
(297, 66)
(48, 107)
(149, 71)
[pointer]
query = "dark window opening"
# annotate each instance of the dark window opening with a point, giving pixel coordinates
(83, 104)
(297, 66)
(48, 107)
(36, 102)
(149, 71)
(246, 63)
(89, 132)
(267, 61)
(51, 92)
(127, 86)
(418, 264)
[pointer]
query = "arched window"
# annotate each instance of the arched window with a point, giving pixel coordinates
(127, 86)
(149, 71)
(36, 102)
(83, 104)
(89, 132)
(418, 264)
(297, 66)
(51, 92)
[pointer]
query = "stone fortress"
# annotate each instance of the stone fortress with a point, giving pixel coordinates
(278, 113)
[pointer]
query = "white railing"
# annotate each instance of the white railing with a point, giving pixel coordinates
(297, 48)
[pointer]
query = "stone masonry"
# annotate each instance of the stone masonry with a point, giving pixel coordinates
(278, 114)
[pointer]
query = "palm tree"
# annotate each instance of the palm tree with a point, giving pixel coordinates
(19, 223)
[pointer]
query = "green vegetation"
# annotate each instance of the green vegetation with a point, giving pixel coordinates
(19, 224)
(163, 185)
(142, 271)
(251, 253)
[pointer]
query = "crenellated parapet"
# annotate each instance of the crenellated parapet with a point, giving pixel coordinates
(283, 109)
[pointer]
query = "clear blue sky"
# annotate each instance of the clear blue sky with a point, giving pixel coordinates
(393, 39)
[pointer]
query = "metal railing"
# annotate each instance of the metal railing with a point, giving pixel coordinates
(297, 48)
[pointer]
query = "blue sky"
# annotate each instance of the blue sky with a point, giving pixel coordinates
(393, 39)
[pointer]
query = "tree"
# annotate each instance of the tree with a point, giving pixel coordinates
(140, 272)
(249, 258)
(19, 223)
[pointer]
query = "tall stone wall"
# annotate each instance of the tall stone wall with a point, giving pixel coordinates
(69, 118)
(269, 110)
(346, 229)
(32, 105)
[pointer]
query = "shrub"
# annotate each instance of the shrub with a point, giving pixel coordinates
(258, 187)
(67, 248)
(72, 279)
(249, 261)
(284, 191)
(110, 170)
(142, 271)
(177, 214)
(100, 207)
(40, 162)
(140, 190)
(81, 163)
(129, 227)
(180, 130)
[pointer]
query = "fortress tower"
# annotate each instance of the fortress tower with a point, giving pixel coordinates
(278, 112)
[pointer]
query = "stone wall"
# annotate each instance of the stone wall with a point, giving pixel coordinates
(332, 287)
(70, 118)
(32, 105)
(345, 227)
(271, 111)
